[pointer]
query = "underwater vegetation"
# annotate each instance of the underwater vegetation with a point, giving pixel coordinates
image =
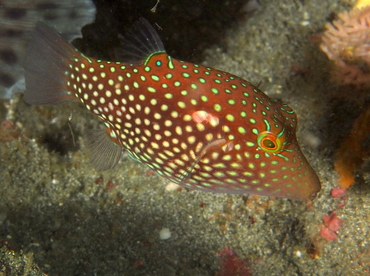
(346, 42)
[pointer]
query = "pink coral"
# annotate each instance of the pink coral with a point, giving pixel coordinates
(338, 192)
(327, 234)
(331, 226)
(232, 265)
(346, 42)
(332, 222)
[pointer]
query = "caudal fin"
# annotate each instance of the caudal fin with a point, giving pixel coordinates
(46, 67)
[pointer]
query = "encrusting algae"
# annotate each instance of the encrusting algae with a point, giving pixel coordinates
(199, 127)
(346, 43)
(362, 4)
(352, 153)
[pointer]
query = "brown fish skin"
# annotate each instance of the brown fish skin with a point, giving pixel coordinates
(202, 128)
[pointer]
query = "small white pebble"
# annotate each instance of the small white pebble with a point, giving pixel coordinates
(305, 22)
(312, 140)
(306, 15)
(298, 254)
(165, 234)
(54, 181)
(172, 186)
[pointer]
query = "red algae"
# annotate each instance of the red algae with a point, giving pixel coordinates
(232, 265)
(331, 226)
(338, 192)
(327, 234)
(332, 222)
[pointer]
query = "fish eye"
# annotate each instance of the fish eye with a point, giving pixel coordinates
(269, 142)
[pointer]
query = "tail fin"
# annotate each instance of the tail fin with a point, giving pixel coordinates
(46, 66)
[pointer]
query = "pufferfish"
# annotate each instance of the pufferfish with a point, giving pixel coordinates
(202, 128)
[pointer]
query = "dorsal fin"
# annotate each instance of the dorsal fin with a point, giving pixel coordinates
(140, 42)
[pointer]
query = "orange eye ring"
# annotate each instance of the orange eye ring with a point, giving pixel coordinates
(269, 142)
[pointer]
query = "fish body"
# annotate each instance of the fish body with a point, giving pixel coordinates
(202, 128)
